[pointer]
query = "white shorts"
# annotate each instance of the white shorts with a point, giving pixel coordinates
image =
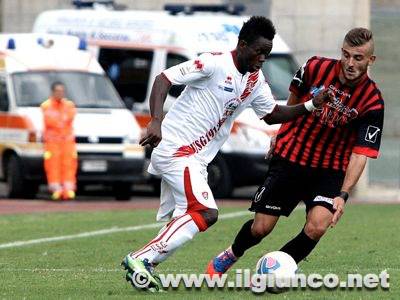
(184, 186)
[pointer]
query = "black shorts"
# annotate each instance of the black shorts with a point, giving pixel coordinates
(288, 183)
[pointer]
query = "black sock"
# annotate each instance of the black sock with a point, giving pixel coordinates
(300, 246)
(244, 239)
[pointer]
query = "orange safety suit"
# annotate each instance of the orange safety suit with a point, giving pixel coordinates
(60, 156)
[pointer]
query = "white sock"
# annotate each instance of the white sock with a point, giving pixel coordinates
(178, 232)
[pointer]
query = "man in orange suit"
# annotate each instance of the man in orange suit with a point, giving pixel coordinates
(60, 156)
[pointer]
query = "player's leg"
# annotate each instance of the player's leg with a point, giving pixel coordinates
(324, 185)
(274, 198)
(144, 267)
(167, 203)
(318, 221)
(195, 211)
(251, 233)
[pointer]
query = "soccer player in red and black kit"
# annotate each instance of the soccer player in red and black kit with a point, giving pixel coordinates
(318, 158)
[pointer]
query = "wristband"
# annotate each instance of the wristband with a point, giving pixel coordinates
(344, 195)
(309, 105)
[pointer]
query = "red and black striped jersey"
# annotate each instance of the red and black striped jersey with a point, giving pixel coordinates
(352, 123)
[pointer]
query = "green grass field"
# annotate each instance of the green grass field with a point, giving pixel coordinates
(365, 241)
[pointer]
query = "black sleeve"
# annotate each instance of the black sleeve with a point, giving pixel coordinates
(300, 84)
(370, 133)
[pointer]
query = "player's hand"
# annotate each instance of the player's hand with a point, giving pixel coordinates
(338, 206)
(272, 144)
(323, 97)
(152, 136)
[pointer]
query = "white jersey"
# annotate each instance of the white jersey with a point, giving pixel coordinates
(201, 119)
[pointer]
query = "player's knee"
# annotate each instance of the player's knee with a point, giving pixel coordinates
(263, 225)
(260, 230)
(205, 218)
(210, 216)
(315, 230)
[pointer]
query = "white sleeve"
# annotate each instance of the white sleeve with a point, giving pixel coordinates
(263, 103)
(191, 71)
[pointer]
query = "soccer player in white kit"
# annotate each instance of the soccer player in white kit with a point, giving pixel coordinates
(219, 87)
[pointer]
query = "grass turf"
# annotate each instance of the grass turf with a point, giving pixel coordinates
(365, 241)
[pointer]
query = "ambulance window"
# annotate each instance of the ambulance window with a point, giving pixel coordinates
(173, 60)
(278, 71)
(85, 89)
(129, 70)
(3, 95)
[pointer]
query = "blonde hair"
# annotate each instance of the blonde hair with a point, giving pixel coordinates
(358, 36)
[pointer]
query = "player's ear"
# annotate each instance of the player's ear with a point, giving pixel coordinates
(242, 44)
(371, 60)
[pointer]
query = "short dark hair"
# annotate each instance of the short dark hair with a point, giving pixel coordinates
(358, 36)
(255, 27)
(55, 83)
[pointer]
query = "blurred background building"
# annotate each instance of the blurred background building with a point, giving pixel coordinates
(310, 27)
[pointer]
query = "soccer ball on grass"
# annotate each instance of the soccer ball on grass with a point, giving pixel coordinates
(279, 267)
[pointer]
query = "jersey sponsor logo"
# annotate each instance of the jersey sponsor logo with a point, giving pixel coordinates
(205, 195)
(273, 207)
(226, 85)
(323, 199)
(230, 107)
(335, 113)
(372, 134)
(339, 92)
(228, 89)
(225, 88)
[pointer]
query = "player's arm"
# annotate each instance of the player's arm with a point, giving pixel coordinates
(158, 95)
(353, 173)
(286, 113)
(300, 86)
(367, 145)
(293, 99)
(187, 73)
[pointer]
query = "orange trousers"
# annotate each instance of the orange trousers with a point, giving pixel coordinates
(60, 165)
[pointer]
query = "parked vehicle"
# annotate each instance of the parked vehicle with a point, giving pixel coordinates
(106, 133)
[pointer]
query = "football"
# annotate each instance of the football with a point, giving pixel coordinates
(281, 266)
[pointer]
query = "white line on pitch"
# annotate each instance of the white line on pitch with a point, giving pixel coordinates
(103, 232)
(55, 270)
(104, 270)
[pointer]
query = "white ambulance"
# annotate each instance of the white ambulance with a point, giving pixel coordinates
(135, 46)
(106, 132)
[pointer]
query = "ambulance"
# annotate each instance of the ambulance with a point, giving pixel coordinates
(106, 132)
(135, 46)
